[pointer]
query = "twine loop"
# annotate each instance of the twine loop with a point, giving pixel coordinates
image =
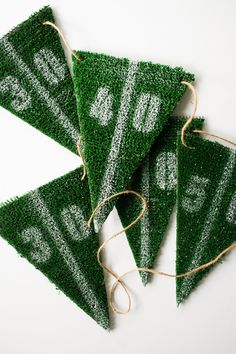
(49, 23)
(119, 279)
(103, 245)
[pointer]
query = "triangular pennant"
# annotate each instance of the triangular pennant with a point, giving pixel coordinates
(35, 83)
(48, 226)
(206, 207)
(122, 106)
(156, 180)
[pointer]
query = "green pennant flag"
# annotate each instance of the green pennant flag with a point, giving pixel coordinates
(156, 180)
(206, 207)
(122, 107)
(48, 226)
(35, 83)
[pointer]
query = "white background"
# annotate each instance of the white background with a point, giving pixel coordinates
(34, 317)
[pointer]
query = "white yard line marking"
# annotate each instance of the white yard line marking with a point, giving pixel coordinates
(42, 92)
(111, 175)
(144, 222)
(166, 175)
(73, 266)
(214, 211)
(231, 213)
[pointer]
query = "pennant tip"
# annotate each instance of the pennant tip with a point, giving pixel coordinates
(145, 277)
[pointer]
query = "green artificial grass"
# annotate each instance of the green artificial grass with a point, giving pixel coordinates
(206, 207)
(48, 227)
(122, 107)
(156, 180)
(35, 83)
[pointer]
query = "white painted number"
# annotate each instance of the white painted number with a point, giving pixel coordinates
(146, 112)
(102, 106)
(195, 194)
(40, 250)
(166, 171)
(145, 115)
(50, 66)
(21, 99)
(75, 223)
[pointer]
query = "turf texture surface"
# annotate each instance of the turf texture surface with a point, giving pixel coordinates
(206, 207)
(35, 82)
(48, 227)
(156, 180)
(122, 108)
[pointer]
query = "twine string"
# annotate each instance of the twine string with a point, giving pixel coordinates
(104, 244)
(189, 121)
(176, 276)
(82, 158)
(195, 101)
(119, 279)
(205, 132)
(63, 38)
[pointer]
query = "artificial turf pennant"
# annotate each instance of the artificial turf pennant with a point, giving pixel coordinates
(35, 82)
(48, 227)
(206, 207)
(156, 180)
(122, 108)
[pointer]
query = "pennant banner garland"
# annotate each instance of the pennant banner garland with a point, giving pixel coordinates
(122, 107)
(156, 180)
(206, 207)
(120, 111)
(35, 83)
(48, 226)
